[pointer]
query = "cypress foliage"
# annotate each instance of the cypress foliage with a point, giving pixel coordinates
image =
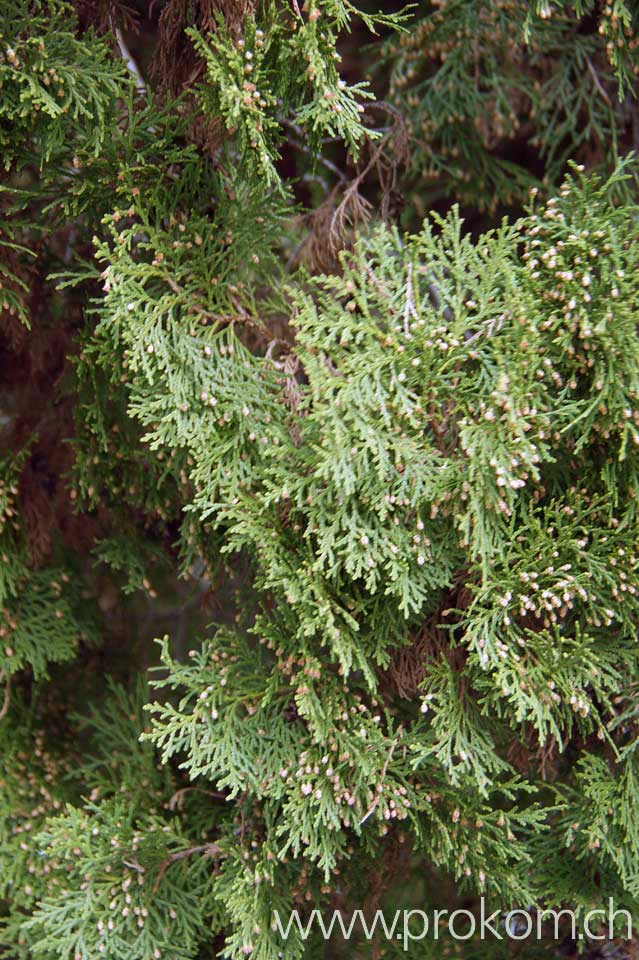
(319, 481)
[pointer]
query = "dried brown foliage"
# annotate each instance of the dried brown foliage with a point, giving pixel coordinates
(332, 225)
(106, 16)
(37, 414)
(409, 664)
(176, 65)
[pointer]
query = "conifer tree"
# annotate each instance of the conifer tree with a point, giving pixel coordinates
(319, 478)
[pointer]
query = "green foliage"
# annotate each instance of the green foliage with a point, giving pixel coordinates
(397, 468)
(290, 60)
(32, 788)
(617, 24)
(42, 617)
(44, 623)
(50, 99)
(144, 918)
(483, 87)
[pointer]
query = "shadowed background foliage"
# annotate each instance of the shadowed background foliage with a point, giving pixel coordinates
(318, 365)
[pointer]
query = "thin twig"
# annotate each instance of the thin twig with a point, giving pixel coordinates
(409, 306)
(375, 802)
(216, 317)
(7, 696)
(382, 290)
(320, 158)
(598, 85)
(208, 849)
(176, 799)
(125, 53)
